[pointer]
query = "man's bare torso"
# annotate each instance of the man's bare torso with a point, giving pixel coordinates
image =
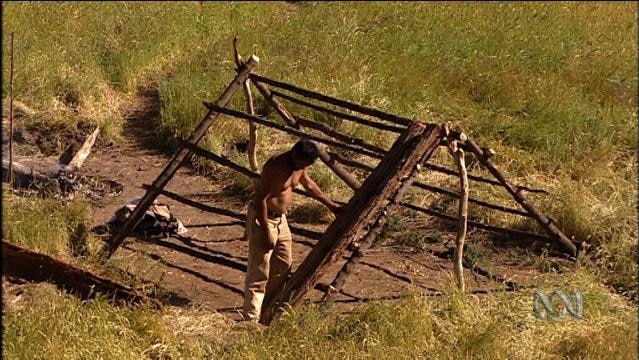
(279, 181)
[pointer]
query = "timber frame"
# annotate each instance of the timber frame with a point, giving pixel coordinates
(356, 228)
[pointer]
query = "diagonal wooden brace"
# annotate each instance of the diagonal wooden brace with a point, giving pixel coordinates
(174, 164)
(417, 143)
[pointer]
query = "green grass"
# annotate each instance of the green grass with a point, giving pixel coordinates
(450, 327)
(47, 225)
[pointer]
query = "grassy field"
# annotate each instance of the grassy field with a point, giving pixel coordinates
(552, 87)
(42, 322)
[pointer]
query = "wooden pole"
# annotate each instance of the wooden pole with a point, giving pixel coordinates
(290, 130)
(327, 130)
(233, 165)
(340, 171)
(291, 121)
(546, 223)
(334, 101)
(341, 115)
(230, 213)
(11, 117)
(249, 109)
(354, 185)
(175, 162)
(416, 144)
(431, 188)
(368, 240)
(458, 154)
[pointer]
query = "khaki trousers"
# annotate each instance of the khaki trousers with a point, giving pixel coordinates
(267, 269)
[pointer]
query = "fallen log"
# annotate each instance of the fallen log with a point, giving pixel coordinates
(29, 265)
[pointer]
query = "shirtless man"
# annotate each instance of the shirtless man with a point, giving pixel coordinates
(267, 231)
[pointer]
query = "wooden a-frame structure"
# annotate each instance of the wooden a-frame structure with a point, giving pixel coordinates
(367, 210)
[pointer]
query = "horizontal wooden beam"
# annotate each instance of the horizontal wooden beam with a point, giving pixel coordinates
(475, 224)
(435, 189)
(239, 168)
(334, 101)
(290, 130)
(341, 115)
(230, 213)
(230, 164)
(327, 130)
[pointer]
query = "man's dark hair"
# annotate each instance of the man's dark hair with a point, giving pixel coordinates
(306, 149)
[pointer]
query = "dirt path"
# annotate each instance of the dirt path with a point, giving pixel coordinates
(206, 266)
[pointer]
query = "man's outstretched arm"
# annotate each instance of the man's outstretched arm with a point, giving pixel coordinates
(317, 193)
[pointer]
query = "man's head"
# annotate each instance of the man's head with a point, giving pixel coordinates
(303, 154)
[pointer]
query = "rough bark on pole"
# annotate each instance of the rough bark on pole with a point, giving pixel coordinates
(249, 109)
(546, 223)
(416, 144)
(176, 161)
(368, 240)
(458, 266)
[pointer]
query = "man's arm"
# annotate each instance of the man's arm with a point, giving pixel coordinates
(315, 192)
(260, 198)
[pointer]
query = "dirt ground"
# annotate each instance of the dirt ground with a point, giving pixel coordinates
(205, 266)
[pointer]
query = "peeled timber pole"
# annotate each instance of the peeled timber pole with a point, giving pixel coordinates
(546, 223)
(458, 153)
(249, 109)
(415, 145)
(175, 162)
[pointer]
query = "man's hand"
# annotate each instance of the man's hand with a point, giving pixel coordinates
(270, 241)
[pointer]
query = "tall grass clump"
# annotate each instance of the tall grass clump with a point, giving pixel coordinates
(47, 225)
(47, 323)
(455, 326)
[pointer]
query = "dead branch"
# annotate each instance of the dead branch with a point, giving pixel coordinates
(458, 154)
(249, 109)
